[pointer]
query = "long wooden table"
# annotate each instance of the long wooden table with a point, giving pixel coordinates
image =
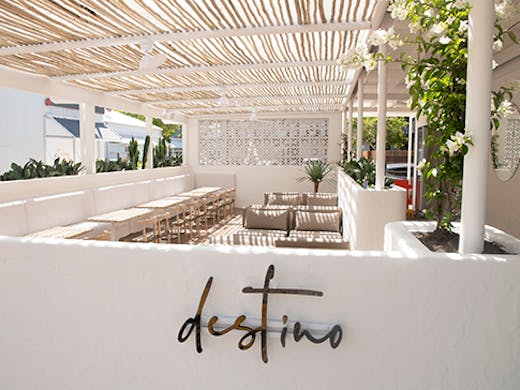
(120, 216)
(73, 231)
(200, 192)
(164, 203)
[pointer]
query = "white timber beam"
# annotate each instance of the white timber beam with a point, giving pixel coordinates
(87, 137)
(181, 36)
(230, 87)
(61, 91)
(270, 108)
(381, 120)
(186, 70)
(245, 99)
(478, 114)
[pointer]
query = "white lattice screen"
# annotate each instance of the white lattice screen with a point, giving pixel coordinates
(266, 142)
(511, 143)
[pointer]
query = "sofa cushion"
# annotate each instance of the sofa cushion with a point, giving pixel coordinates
(260, 233)
(59, 210)
(313, 234)
(168, 186)
(282, 198)
(266, 219)
(317, 220)
(13, 221)
(320, 199)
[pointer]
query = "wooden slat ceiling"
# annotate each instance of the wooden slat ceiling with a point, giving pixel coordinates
(97, 45)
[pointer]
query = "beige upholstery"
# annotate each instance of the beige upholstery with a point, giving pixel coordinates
(317, 220)
(261, 233)
(282, 198)
(313, 234)
(320, 199)
(266, 219)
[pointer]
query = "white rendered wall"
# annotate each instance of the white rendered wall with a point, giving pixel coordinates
(253, 181)
(367, 211)
(87, 315)
(21, 127)
(23, 189)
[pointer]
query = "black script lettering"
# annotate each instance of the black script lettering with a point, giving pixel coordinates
(238, 326)
(334, 335)
(194, 322)
(284, 331)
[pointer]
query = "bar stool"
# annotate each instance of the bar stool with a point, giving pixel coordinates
(190, 217)
(149, 229)
(163, 227)
(212, 208)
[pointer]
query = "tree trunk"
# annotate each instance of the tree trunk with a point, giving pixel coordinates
(316, 185)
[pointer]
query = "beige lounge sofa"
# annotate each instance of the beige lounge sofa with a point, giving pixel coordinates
(300, 199)
(317, 227)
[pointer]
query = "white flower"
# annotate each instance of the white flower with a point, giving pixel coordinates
(494, 64)
(505, 109)
(435, 172)
(421, 164)
(357, 58)
(497, 45)
(444, 40)
(460, 3)
(459, 138)
(463, 26)
(452, 146)
(389, 36)
(439, 28)
(506, 10)
(407, 82)
(398, 10)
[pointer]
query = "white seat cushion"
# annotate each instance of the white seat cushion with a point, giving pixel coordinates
(121, 196)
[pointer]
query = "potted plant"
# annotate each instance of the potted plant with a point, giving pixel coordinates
(315, 172)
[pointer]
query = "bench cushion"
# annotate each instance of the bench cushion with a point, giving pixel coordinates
(266, 219)
(282, 198)
(318, 220)
(121, 196)
(320, 199)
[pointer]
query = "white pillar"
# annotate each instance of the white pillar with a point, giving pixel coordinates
(381, 121)
(478, 112)
(149, 131)
(359, 146)
(342, 142)
(349, 129)
(87, 137)
(185, 143)
(409, 155)
(415, 162)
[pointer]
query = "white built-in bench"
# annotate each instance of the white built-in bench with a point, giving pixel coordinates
(22, 217)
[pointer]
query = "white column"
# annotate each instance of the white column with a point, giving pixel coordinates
(415, 162)
(342, 142)
(149, 131)
(87, 137)
(185, 143)
(478, 112)
(381, 121)
(349, 129)
(359, 146)
(409, 155)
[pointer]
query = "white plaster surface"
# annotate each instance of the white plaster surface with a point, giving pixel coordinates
(93, 315)
(367, 211)
(399, 237)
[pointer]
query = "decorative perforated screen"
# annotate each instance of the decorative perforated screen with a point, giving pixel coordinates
(512, 144)
(266, 142)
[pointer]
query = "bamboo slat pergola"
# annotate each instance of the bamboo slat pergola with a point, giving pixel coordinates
(274, 55)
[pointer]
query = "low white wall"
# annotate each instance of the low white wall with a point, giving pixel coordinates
(367, 211)
(23, 189)
(78, 315)
(399, 237)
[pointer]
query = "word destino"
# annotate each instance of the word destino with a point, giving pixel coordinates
(248, 339)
